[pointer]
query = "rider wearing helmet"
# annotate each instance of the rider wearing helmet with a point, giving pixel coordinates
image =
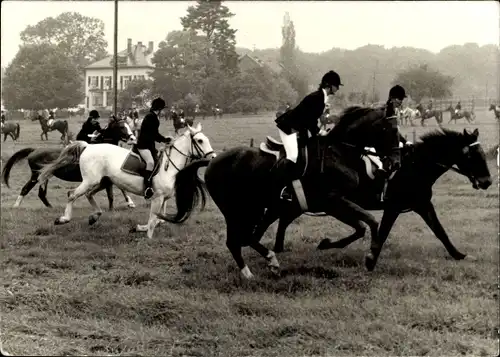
(458, 107)
(297, 122)
(51, 119)
(147, 137)
(90, 126)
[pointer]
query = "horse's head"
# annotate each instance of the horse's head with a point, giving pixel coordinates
(492, 107)
(471, 161)
(361, 127)
(119, 129)
(196, 144)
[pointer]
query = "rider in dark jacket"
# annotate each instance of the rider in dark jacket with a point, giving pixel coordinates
(297, 122)
(148, 135)
(90, 126)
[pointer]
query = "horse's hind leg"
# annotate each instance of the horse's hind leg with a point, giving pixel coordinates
(109, 193)
(237, 234)
(81, 190)
(94, 217)
(129, 201)
(42, 193)
(27, 188)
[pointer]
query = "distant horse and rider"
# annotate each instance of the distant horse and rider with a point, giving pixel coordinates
(49, 124)
(9, 128)
(117, 130)
(457, 113)
(426, 114)
(407, 116)
(496, 110)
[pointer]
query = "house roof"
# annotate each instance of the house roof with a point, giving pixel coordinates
(139, 57)
(272, 65)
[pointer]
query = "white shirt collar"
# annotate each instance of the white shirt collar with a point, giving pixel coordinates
(326, 95)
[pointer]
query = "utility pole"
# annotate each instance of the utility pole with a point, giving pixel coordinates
(374, 80)
(115, 67)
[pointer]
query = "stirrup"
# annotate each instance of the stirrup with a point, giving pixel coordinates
(285, 194)
(148, 193)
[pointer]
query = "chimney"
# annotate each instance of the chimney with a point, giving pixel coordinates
(150, 47)
(129, 45)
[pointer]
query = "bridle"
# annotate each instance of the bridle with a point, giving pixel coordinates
(195, 147)
(466, 152)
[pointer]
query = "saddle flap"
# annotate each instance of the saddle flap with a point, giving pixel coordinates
(265, 149)
(133, 164)
(273, 144)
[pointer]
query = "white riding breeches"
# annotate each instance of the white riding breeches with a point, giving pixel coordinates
(148, 157)
(50, 122)
(291, 145)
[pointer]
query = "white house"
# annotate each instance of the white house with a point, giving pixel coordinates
(133, 63)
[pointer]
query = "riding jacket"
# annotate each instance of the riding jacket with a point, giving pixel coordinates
(88, 127)
(149, 133)
(304, 116)
(389, 112)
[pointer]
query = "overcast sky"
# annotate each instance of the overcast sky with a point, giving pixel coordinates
(319, 25)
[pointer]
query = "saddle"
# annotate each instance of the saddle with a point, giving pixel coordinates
(373, 164)
(135, 165)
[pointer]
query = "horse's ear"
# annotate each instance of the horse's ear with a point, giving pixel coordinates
(198, 127)
(476, 132)
(466, 132)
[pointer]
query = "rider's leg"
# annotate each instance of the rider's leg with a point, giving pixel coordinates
(147, 174)
(286, 168)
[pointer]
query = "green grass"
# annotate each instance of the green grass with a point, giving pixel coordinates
(80, 290)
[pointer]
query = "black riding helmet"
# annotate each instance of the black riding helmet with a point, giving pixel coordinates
(397, 92)
(158, 104)
(94, 114)
(331, 78)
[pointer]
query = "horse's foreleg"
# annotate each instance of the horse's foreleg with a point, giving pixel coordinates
(42, 193)
(378, 241)
(129, 201)
(428, 214)
(109, 193)
(156, 205)
(286, 218)
(27, 188)
(81, 190)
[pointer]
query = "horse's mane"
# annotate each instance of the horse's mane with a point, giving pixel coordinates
(355, 114)
(435, 138)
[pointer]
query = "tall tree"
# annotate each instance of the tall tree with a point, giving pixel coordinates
(78, 37)
(287, 50)
(39, 77)
(210, 18)
(422, 81)
(295, 76)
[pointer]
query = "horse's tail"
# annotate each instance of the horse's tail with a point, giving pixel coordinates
(18, 156)
(189, 188)
(69, 155)
(18, 130)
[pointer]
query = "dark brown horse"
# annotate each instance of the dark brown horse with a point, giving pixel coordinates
(241, 184)
(11, 129)
(468, 115)
(59, 125)
(37, 158)
(428, 114)
(410, 189)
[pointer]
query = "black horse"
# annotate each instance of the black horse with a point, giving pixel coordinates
(59, 125)
(115, 132)
(240, 182)
(410, 189)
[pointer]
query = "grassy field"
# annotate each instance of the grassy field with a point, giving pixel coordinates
(80, 290)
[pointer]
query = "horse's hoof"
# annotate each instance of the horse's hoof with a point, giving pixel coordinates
(94, 218)
(60, 221)
(133, 230)
(470, 258)
(275, 271)
(131, 205)
(370, 262)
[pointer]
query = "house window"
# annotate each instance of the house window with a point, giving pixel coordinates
(140, 77)
(93, 82)
(107, 82)
(126, 81)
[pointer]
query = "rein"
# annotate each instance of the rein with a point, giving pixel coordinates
(189, 158)
(456, 169)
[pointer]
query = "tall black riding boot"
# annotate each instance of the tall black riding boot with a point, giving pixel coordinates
(283, 174)
(148, 184)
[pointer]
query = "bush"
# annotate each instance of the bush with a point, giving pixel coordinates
(247, 105)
